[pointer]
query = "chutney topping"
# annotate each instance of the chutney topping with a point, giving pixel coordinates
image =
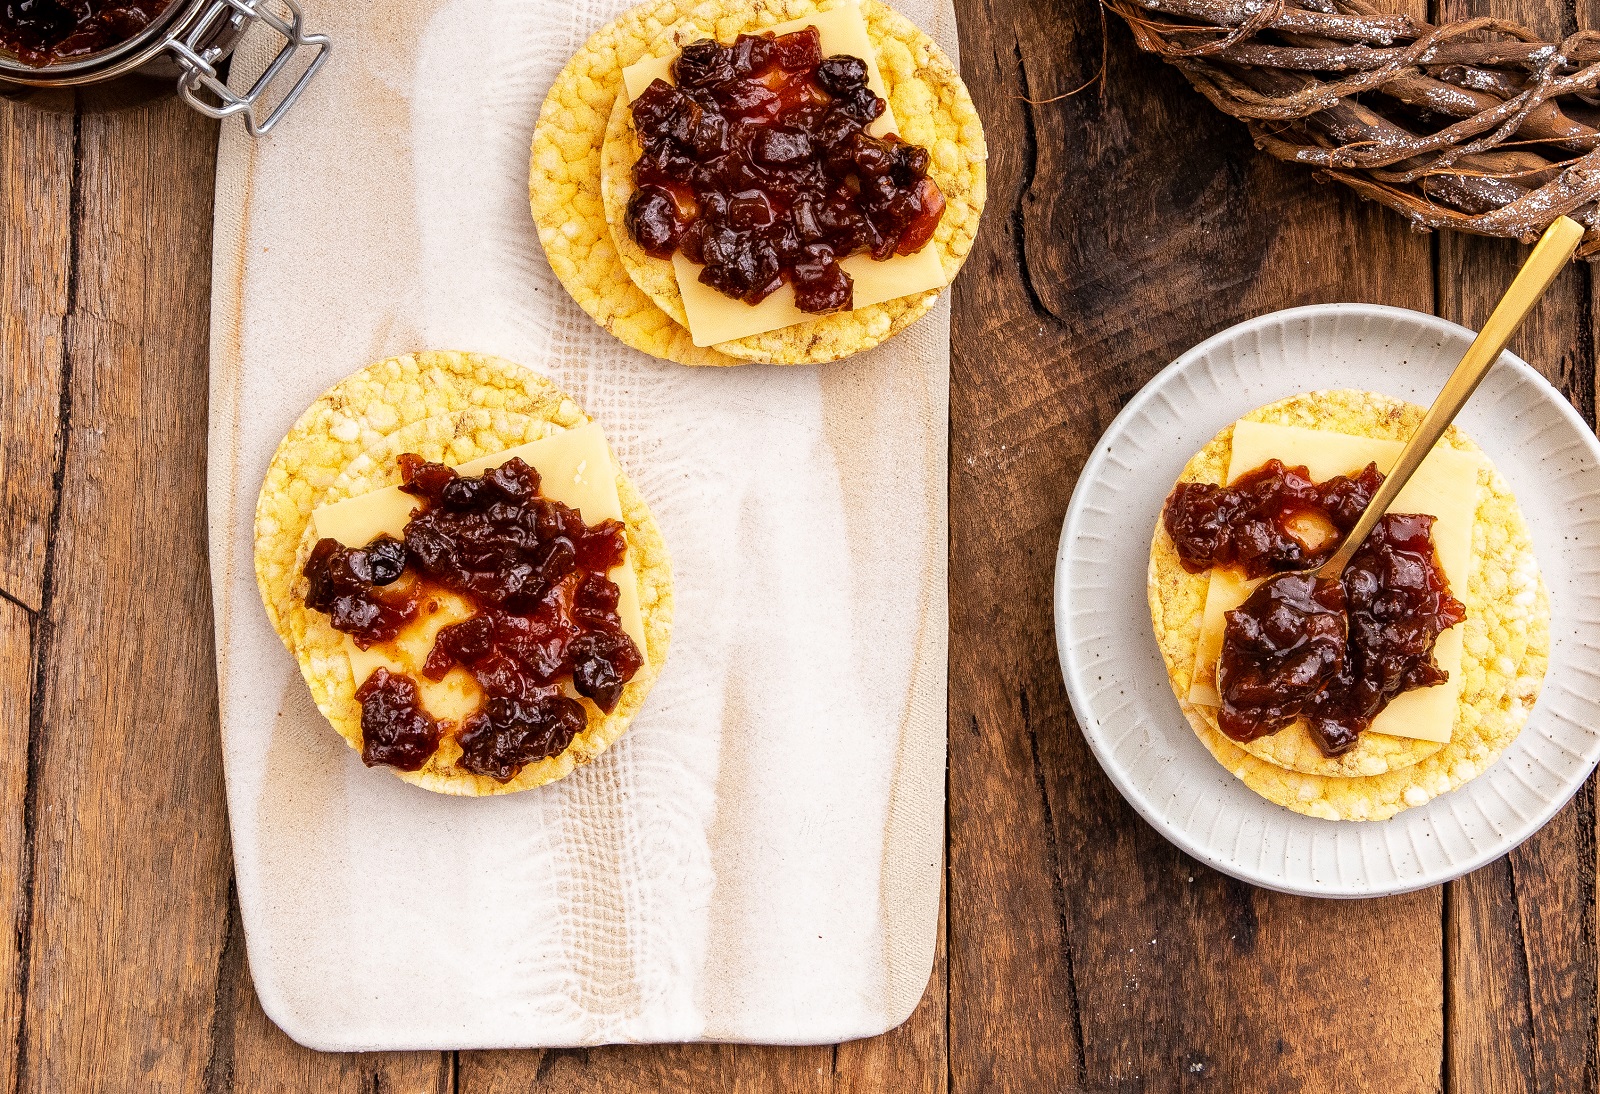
(360, 590)
(1281, 648)
(1398, 603)
(546, 613)
(1333, 652)
(395, 730)
(50, 32)
(758, 167)
(1260, 522)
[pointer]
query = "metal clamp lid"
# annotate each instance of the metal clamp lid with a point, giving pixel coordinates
(198, 60)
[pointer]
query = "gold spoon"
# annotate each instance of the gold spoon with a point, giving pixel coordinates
(1550, 254)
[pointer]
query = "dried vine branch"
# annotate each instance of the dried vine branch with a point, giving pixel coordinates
(1476, 125)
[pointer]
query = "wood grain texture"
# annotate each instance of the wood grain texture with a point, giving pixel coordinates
(36, 158)
(645, 1069)
(1521, 958)
(1521, 932)
(1080, 952)
(910, 1059)
(1085, 952)
(16, 690)
(130, 854)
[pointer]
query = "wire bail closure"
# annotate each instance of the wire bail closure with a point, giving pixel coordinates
(199, 60)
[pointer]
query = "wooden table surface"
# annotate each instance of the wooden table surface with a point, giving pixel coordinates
(1079, 950)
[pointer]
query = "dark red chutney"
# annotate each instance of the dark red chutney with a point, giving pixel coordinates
(1332, 652)
(1249, 523)
(394, 728)
(547, 611)
(758, 166)
(48, 32)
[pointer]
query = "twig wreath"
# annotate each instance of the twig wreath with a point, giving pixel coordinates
(1476, 125)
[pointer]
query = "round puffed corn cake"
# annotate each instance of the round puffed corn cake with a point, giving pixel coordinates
(584, 150)
(1505, 651)
(448, 408)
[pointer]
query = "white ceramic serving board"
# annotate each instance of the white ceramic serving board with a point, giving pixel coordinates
(759, 858)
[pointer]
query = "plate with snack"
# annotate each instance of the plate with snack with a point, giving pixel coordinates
(1436, 715)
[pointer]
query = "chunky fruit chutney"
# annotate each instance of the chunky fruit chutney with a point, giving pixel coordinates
(49, 32)
(546, 614)
(395, 730)
(1333, 652)
(1281, 648)
(758, 167)
(1264, 522)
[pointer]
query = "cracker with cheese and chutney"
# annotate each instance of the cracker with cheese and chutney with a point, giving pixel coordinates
(476, 595)
(788, 182)
(1359, 697)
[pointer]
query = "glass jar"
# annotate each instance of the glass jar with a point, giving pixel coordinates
(187, 42)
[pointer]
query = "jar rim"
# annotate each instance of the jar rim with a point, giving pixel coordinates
(149, 40)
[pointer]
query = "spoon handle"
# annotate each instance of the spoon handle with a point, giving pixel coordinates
(1549, 255)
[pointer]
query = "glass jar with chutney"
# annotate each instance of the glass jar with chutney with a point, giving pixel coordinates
(71, 43)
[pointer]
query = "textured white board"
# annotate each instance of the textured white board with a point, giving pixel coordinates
(758, 859)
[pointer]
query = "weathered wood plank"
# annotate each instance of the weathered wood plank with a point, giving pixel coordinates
(130, 865)
(1100, 261)
(1127, 223)
(36, 177)
(16, 691)
(1521, 957)
(1521, 939)
(646, 1069)
(36, 140)
(910, 1059)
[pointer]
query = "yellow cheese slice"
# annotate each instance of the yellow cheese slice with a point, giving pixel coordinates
(575, 468)
(716, 318)
(453, 698)
(1444, 487)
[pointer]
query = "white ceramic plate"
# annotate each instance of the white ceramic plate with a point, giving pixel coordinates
(1113, 668)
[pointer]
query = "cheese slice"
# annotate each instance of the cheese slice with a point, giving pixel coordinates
(716, 318)
(1444, 487)
(575, 468)
(454, 698)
